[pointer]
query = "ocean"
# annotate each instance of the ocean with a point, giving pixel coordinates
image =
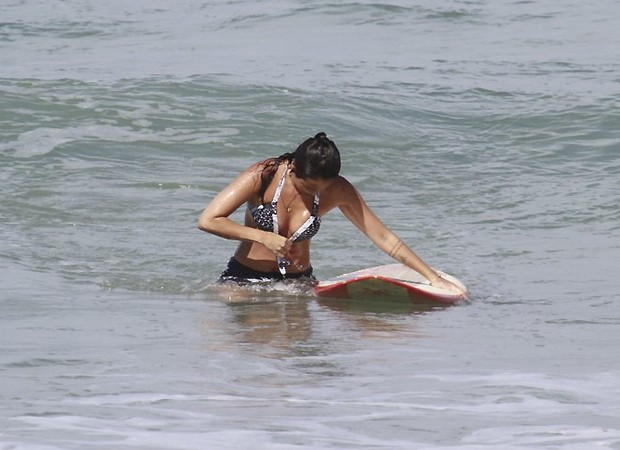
(485, 134)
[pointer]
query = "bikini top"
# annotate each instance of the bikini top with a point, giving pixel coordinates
(266, 216)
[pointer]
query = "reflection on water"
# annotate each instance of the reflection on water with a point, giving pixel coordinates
(280, 323)
(375, 318)
(285, 322)
(373, 305)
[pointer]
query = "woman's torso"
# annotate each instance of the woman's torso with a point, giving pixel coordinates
(300, 209)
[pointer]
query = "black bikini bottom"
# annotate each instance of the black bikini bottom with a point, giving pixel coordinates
(237, 272)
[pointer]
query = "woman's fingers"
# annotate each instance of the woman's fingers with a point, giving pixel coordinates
(278, 244)
(445, 284)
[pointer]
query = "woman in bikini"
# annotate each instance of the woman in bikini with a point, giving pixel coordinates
(286, 198)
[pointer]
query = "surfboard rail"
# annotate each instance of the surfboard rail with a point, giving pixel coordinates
(391, 281)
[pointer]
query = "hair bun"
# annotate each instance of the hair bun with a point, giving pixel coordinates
(320, 135)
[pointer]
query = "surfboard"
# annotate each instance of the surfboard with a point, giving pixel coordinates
(390, 281)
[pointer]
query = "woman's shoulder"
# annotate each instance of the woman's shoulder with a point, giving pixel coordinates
(340, 191)
(259, 166)
(341, 185)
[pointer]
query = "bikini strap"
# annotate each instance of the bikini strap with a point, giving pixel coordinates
(274, 201)
(278, 192)
(315, 205)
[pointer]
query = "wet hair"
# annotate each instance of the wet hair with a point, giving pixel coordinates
(315, 158)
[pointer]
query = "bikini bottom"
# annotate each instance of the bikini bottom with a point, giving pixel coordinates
(239, 273)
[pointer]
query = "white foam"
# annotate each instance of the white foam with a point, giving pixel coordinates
(41, 141)
(44, 140)
(545, 436)
(15, 445)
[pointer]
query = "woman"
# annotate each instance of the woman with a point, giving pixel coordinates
(286, 198)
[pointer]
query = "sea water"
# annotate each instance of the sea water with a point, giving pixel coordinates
(485, 134)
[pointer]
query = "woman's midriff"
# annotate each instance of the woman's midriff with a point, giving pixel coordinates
(257, 257)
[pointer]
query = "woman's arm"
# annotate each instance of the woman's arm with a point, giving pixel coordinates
(215, 218)
(357, 211)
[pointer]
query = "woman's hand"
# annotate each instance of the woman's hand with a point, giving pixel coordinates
(277, 244)
(442, 283)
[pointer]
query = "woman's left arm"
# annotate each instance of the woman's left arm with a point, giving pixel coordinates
(357, 211)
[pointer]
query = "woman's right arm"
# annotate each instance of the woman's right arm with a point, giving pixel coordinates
(215, 219)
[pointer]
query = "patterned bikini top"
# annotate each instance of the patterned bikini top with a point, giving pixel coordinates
(266, 216)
